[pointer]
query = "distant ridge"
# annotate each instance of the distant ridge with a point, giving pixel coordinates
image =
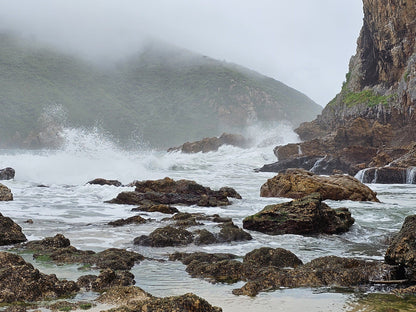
(165, 94)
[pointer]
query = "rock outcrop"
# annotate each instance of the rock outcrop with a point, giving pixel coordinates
(129, 299)
(20, 281)
(371, 122)
(7, 173)
(212, 144)
(5, 193)
(10, 232)
(402, 250)
(167, 191)
(297, 183)
(101, 181)
(308, 215)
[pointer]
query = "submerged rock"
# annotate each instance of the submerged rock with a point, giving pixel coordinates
(5, 193)
(211, 144)
(7, 173)
(167, 191)
(307, 215)
(297, 183)
(167, 209)
(10, 232)
(58, 249)
(166, 236)
(20, 281)
(101, 181)
(402, 250)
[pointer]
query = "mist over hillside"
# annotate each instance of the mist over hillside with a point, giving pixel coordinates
(162, 95)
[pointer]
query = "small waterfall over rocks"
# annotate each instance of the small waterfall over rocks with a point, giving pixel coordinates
(387, 175)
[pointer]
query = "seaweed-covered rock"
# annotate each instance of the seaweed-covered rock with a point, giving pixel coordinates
(231, 233)
(167, 209)
(108, 278)
(129, 299)
(276, 257)
(307, 215)
(297, 183)
(59, 250)
(5, 193)
(10, 232)
(169, 192)
(7, 173)
(166, 236)
(131, 220)
(20, 281)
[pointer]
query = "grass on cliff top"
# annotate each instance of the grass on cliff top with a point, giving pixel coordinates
(367, 97)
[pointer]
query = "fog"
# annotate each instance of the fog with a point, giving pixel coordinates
(305, 44)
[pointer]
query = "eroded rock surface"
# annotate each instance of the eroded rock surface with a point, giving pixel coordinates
(5, 193)
(307, 215)
(297, 183)
(10, 232)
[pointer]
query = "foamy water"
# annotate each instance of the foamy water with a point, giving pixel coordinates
(50, 188)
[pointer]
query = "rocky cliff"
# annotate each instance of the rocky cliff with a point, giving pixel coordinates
(371, 122)
(381, 82)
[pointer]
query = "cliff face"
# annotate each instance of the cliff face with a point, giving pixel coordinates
(381, 82)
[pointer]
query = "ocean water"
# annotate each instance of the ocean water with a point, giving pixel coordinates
(50, 188)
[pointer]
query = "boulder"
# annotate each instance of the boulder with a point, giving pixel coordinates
(10, 232)
(7, 173)
(167, 191)
(231, 233)
(20, 281)
(321, 272)
(167, 209)
(211, 144)
(307, 215)
(296, 183)
(131, 220)
(108, 278)
(166, 236)
(402, 250)
(134, 299)
(59, 250)
(276, 257)
(5, 193)
(101, 181)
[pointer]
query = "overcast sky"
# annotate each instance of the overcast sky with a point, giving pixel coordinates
(306, 44)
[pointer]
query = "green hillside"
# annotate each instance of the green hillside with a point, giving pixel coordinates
(165, 94)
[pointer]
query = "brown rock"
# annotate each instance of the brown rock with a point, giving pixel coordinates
(20, 281)
(296, 183)
(10, 232)
(131, 220)
(107, 279)
(166, 236)
(307, 215)
(101, 181)
(5, 193)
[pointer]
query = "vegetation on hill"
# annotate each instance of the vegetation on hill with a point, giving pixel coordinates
(164, 94)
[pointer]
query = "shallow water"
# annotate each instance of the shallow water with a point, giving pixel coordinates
(50, 188)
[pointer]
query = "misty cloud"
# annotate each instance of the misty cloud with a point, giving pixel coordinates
(305, 44)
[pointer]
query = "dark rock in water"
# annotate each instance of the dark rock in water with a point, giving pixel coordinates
(304, 162)
(7, 173)
(187, 258)
(157, 208)
(107, 279)
(59, 250)
(296, 183)
(205, 237)
(402, 250)
(266, 256)
(211, 144)
(10, 232)
(308, 215)
(167, 191)
(20, 281)
(131, 220)
(166, 236)
(232, 233)
(325, 271)
(134, 299)
(101, 181)
(385, 175)
(5, 193)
